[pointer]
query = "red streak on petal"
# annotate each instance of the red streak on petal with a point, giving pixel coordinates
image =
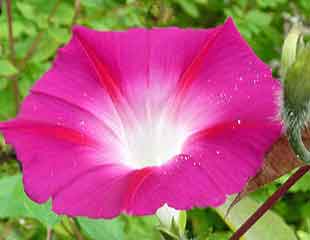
(136, 179)
(50, 130)
(104, 76)
(194, 67)
(228, 126)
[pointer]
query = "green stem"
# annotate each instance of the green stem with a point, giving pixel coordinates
(49, 234)
(75, 229)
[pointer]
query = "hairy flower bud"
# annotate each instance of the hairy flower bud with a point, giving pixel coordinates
(296, 59)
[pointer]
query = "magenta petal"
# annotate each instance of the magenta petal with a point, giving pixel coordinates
(52, 157)
(232, 108)
(232, 84)
(85, 121)
(67, 126)
(96, 193)
(213, 165)
(147, 75)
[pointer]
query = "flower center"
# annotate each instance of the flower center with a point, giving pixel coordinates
(154, 142)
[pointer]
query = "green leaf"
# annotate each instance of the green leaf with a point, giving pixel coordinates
(219, 236)
(32, 72)
(103, 229)
(3, 83)
(141, 228)
(269, 226)
(270, 4)
(7, 68)
(46, 49)
(7, 103)
(63, 15)
(303, 235)
(204, 222)
(27, 10)
(19, 27)
(61, 35)
(303, 185)
(92, 3)
(15, 203)
(258, 18)
(189, 7)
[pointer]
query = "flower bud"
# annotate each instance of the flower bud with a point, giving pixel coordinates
(173, 222)
(297, 100)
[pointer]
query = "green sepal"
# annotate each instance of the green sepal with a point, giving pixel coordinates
(177, 229)
(291, 45)
(182, 222)
(167, 235)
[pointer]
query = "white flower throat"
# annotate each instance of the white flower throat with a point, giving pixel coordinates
(154, 142)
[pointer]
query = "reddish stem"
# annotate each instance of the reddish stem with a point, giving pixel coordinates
(77, 10)
(39, 37)
(270, 202)
(49, 235)
(12, 51)
(10, 29)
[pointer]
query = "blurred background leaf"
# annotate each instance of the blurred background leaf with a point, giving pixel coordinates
(14, 202)
(103, 229)
(269, 226)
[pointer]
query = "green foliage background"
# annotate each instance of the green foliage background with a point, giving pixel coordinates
(40, 27)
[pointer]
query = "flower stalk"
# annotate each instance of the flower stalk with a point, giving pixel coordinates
(49, 234)
(270, 202)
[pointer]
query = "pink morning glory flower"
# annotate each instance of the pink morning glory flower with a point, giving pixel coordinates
(129, 121)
